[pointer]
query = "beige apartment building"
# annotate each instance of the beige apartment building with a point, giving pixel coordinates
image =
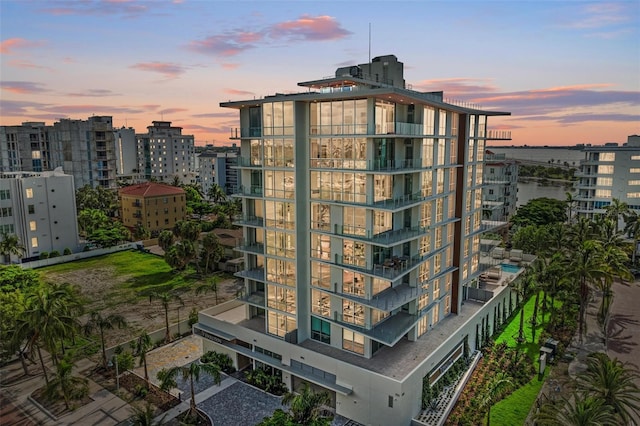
(155, 206)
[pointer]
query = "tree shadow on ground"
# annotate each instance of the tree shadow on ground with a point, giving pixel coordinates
(620, 326)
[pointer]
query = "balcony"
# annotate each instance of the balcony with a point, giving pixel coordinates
(389, 331)
(137, 214)
(256, 274)
(249, 162)
(246, 132)
(137, 204)
(402, 201)
(257, 298)
(390, 269)
(248, 221)
(498, 135)
(250, 247)
(386, 238)
(247, 191)
(377, 165)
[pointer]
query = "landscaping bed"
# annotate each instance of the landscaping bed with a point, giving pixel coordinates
(135, 385)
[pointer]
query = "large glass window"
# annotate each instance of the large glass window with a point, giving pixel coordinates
(278, 152)
(604, 181)
(607, 156)
(279, 184)
(381, 222)
(338, 117)
(281, 272)
(429, 120)
(320, 330)
(282, 299)
(281, 244)
(280, 214)
(280, 324)
(380, 285)
(352, 341)
(352, 312)
(427, 152)
(320, 246)
(338, 186)
(353, 253)
(320, 216)
(320, 275)
(385, 117)
(605, 169)
(442, 122)
(320, 303)
(425, 214)
(277, 118)
(383, 187)
(353, 283)
(354, 221)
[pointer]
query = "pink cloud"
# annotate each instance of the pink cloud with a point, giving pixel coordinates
(92, 93)
(128, 8)
(238, 92)
(7, 46)
(168, 69)
(230, 66)
(172, 110)
(456, 86)
(17, 63)
(223, 45)
(22, 87)
(312, 28)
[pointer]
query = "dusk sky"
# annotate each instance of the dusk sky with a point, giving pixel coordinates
(568, 71)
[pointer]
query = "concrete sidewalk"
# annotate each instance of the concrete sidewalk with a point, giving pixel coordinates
(105, 408)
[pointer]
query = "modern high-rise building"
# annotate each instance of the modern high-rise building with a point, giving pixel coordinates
(85, 149)
(25, 147)
(607, 172)
(500, 192)
(362, 204)
(164, 153)
(40, 209)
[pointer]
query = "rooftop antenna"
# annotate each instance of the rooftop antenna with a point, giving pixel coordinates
(369, 42)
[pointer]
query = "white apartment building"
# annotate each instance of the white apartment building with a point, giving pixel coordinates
(362, 204)
(40, 209)
(500, 192)
(165, 153)
(607, 172)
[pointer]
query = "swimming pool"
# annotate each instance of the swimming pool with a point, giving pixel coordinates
(507, 267)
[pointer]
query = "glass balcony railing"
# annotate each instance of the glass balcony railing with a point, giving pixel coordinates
(246, 132)
(256, 274)
(257, 298)
(250, 247)
(385, 238)
(251, 191)
(390, 268)
(248, 221)
(377, 165)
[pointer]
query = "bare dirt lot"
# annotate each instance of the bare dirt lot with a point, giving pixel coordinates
(102, 288)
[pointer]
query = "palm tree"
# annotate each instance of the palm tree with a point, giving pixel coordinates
(632, 229)
(165, 299)
(616, 210)
(51, 314)
(494, 389)
(576, 411)
(216, 193)
(64, 384)
(98, 322)
(211, 250)
(165, 239)
(585, 268)
(142, 346)
(571, 202)
(10, 245)
(614, 383)
(305, 406)
(192, 373)
(212, 285)
(145, 416)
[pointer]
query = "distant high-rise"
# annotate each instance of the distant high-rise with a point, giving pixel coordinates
(219, 168)
(607, 172)
(164, 153)
(84, 149)
(362, 217)
(500, 192)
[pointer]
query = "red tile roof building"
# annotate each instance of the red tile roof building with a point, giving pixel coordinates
(155, 206)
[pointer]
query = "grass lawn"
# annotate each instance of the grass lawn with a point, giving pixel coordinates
(513, 410)
(139, 272)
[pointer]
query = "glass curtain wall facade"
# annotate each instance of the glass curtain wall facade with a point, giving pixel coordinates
(379, 183)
